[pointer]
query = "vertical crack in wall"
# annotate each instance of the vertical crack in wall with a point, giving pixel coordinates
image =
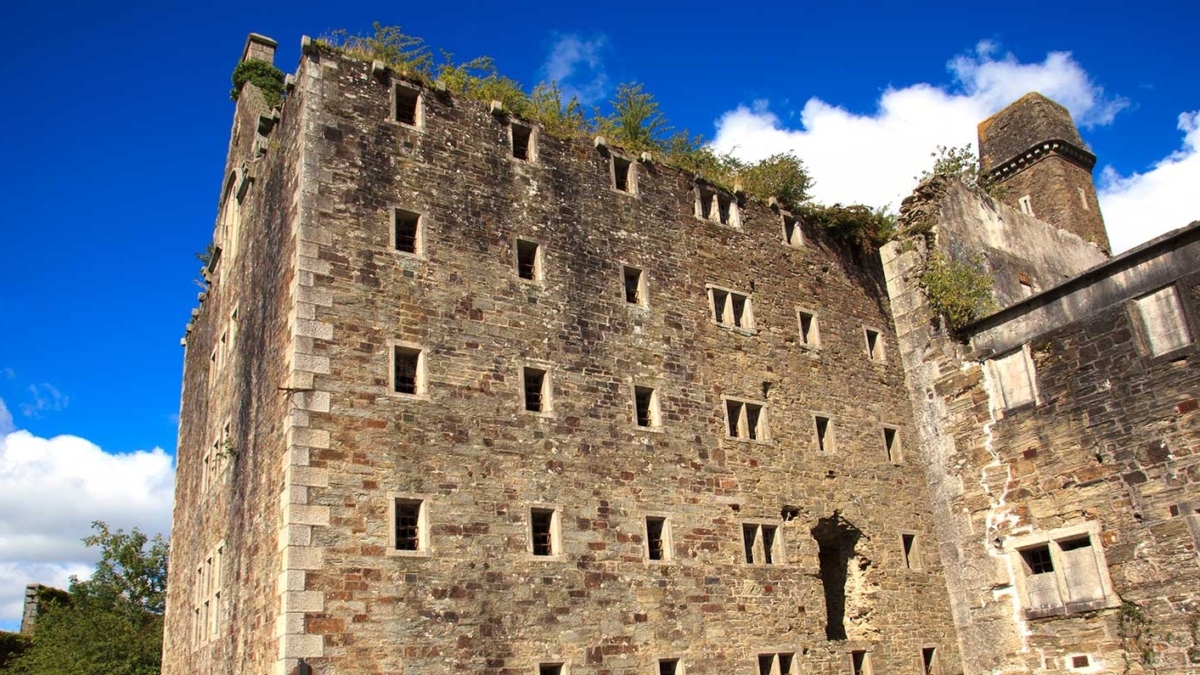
(998, 514)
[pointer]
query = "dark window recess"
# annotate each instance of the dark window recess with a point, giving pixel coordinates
(822, 433)
(791, 232)
(768, 541)
(633, 285)
(764, 663)
(408, 524)
(408, 226)
(407, 362)
(785, 664)
(550, 669)
(521, 138)
(873, 344)
(859, 659)
(889, 443)
(1081, 661)
(734, 413)
(644, 402)
(620, 167)
(706, 199)
(535, 383)
(407, 103)
(668, 667)
(749, 534)
(542, 522)
(719, 299)
(1072, 544)
(929, 658)
(836, 541)
(739, 309)
(807, 336)
(654, 538)
(908, 541)
(723, 206)
(527, 259)
(1038, 560)
(753, 415)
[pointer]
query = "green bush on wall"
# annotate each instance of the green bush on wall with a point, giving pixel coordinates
(261, 74)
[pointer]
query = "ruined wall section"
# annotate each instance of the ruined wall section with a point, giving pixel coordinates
(1108, 449)
(478, 599)
(233, 502)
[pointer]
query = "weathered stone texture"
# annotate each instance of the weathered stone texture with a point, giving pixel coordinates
(1111, 444)
(240, 507)
(479, 601)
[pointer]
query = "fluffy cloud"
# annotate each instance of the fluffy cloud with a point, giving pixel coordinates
(51, 489)
(874, 158)
(1144, 205)
(577, 65)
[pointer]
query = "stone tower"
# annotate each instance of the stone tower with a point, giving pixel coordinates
(1033, 149)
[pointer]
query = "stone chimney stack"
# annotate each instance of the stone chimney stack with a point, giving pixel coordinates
(259, 48)
(1033, 149)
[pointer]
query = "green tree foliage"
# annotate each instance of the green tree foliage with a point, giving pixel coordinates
(636, 123)
(959, 292)
(261, 74)
(781, 176)
(961, 163)
(406, 54)
(112, 623)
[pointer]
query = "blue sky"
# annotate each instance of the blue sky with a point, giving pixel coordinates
(117, 121)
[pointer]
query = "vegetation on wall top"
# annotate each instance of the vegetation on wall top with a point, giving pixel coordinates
(261, 74)
(634, 123)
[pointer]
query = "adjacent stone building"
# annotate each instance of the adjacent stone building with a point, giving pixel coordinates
(465, 397)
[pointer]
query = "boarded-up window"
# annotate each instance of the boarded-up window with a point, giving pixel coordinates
(1014, 376)
(1063, 575)
(1162, 316)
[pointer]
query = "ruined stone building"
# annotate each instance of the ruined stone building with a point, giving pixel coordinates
(463, 397)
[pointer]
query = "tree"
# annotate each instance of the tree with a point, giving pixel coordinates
(636, 123)
(112, 623)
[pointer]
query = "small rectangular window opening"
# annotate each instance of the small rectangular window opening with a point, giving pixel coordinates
(765, 663)
(668, 667)
(408, 525)
(633, 280)
(792, 235)
(528, 263)
(733, 415)
(753, 421)
(408, 104)
(621, 174)
(1037, 559)
(1026, 205)
(408, 231)
(706, 202)
(1086, 207)
(731, 308)
(541, 522)
(522, 141)
(768, 543)
(809, 335)
(406, 370)
(749, 536)
(861, 662)
(1078, 661)
(550, 669)
(535, 382)
(724, 208)
(891, 444)
(874, 344)
(656, 538)
(646, 405)
(909, 542)
(930, 660)
(822, 424)
(785, 664)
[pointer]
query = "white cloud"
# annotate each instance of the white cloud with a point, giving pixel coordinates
(1145, 205)
(577, 65)
(874, 158)
(51, 489)
(6, 420)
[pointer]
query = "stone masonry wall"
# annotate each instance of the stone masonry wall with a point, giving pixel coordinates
(477, 600)
(1060, 193)
(1111, 445)
(239, 507)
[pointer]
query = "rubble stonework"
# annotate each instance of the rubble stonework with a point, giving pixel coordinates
(327, 515)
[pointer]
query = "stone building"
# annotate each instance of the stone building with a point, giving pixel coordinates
(465, 397)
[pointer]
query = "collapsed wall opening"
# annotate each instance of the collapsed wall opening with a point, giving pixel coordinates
(836, 539)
